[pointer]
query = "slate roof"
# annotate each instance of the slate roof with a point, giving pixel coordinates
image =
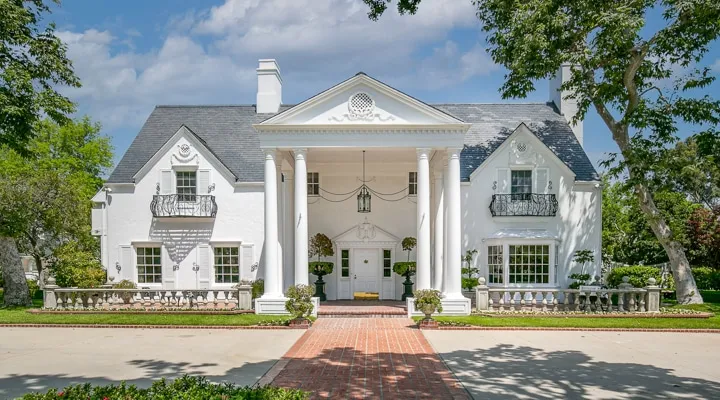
(228, 133)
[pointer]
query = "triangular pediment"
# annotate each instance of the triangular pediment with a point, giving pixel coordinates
(362, 100)
(365, 232)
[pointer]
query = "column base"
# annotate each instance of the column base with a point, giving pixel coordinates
(453, 306)
(274, 306)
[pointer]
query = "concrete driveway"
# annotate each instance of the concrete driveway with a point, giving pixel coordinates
(35, 359)
(578, 365)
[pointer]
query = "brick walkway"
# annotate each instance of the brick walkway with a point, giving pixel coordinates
(362, 308)
(366, 358)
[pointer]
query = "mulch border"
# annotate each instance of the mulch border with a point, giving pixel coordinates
(140, 312)
(528, 328)
(151, 326)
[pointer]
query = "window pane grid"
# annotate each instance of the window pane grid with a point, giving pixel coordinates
(149, 265)
(313, 183)
(345, 263)
(529, 264)
(520, 184)
(412, 183)
(495, 264)
(227, 266)
(186, 185)
(387, 263)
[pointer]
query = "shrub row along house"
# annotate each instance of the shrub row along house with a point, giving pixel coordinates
(208, 196)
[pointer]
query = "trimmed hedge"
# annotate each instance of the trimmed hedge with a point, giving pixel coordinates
(706, 278)
(639, 276)
(186, 388)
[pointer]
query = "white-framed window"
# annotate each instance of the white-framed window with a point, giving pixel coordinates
(412, 183)
(344, 263)
(149, 264)
(226, 263)
(524, 262)
(495, 264)
(521, 184)
(387, 263)
(529, 263)
(313, 184)
(186, 185)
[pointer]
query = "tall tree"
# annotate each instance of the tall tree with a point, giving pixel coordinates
(45, 197)
(685, 169)
(619, 67)
(33, 63)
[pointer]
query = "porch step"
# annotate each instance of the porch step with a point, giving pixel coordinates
(332, 314)
(362, 309)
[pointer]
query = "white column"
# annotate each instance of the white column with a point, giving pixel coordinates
(281, 222)
(272, 272)
(301, 221)
(439, 230)
(446, 185)
(454, 246)
(289, 229)
(423, 219)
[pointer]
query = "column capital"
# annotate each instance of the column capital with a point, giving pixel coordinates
(269, 153)
(423, 152)
(300, 152)
(453, 152)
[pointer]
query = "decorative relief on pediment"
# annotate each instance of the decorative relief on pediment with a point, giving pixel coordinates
(361, 107)
(184, 154)
(521, 152)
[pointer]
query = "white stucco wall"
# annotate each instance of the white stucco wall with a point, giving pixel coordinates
(576, 226)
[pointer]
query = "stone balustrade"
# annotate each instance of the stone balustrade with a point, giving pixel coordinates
(588, 298)
(239, 298)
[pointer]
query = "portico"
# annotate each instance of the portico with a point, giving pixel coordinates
(400, 136)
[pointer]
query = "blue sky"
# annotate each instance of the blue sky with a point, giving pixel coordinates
(132, 55)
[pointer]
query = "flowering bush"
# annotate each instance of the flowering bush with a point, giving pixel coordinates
(187, 387)
(428, 297)
(299, 301)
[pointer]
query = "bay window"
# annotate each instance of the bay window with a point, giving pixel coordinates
(523, 263)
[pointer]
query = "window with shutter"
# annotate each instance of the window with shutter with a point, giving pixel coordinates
(127, 266)
(541, 180)
(166, 182)
(503, 184)
(203, 182)
(248, 259)
(203, 264)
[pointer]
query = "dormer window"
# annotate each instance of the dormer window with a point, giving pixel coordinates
(186, 185)
(521, 184)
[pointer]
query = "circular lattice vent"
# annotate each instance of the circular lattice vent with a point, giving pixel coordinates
(521, 147)
(361, 104)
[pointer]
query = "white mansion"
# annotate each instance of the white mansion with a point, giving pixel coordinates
(208, 196)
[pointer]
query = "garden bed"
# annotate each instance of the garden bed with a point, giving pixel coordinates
(675, 313)
(142, 312)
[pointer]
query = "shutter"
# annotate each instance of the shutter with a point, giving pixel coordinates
(168, 270)
(248, 259)
(166, 182)
(541, 180)
(127, 263)
(503, 180)
(203, 182)
(203, 262)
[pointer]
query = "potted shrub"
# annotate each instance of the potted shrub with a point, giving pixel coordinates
(468, 281)
(428, 301)
(299, 303)
(126, 284)
(406, 268)
(320, 246)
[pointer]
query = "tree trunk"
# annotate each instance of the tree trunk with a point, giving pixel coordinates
(686, 290)
(16, 288)
(38, 266)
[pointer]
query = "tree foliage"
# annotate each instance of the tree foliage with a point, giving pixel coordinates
(33, 63)
(703, 231)
(320, 246)
(622, 68)
(45, 195)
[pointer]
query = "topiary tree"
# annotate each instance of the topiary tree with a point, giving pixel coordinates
(299, 301)
(320, 246)
(406, 268)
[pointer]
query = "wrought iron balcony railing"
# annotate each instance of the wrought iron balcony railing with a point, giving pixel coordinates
(173, 205)
(524, 204)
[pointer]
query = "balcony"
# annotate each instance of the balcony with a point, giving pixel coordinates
(183, 206)
(523, 205)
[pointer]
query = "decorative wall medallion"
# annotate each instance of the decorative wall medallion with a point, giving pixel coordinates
(521, 152)
(185, 155)
(366, 261)
(366, 231)
(361, 107)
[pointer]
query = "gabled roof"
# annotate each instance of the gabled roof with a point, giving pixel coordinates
(227, 131)
(493, 123)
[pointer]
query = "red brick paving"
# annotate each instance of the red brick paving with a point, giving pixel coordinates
(367, 358)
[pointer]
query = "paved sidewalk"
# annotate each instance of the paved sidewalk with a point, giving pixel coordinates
(367, 358)
(36, 359)
(582, 365)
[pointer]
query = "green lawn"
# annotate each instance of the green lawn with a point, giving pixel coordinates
(712, 305)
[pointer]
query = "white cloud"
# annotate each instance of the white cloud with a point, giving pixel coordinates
(210, 56)
(716, 67)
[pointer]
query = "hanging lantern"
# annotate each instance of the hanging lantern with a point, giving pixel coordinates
(363, 200)
(364, 195)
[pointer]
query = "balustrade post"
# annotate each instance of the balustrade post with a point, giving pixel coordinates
(49, 296)
(544, 300)
(652, 295)
(631, 304)
(576, 301)
(621, 301)
(482, 295)
(566, 301)
(244, 297)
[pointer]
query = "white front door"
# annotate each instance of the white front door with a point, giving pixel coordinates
(365, 270)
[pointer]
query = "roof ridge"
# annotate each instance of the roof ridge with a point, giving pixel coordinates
(492, 104)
